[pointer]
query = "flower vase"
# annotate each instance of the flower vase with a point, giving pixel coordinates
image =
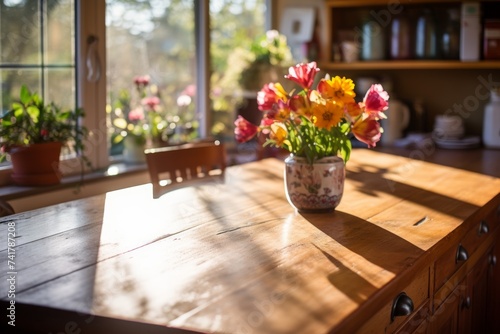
(316, 187)
(133, 150)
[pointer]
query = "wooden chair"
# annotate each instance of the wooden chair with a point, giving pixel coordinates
(5, 208)
(175, 167)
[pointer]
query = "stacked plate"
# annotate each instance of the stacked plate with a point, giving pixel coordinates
(449, 133)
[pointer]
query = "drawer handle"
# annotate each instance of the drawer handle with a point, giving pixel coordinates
(402, 305)
(466, 303)
(462, 254)
(493, 260)
(483, 228)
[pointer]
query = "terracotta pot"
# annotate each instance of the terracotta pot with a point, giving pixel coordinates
(317, 187)
(37, 164)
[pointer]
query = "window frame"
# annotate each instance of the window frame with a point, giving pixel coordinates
(91, 94)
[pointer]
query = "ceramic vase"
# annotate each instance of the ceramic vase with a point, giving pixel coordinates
(133, 150)
(316, 187)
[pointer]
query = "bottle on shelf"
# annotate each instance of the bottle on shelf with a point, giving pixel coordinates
(373, 41)
(400, 38)
(470, 31)
(450, 38)
(491, 122)
(425, 39)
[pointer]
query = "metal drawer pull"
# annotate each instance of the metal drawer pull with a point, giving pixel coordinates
(483, 228)
(462, 254)
(466, 303)
(402, 305)
(493, 260)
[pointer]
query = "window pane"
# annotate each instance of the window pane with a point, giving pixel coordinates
(22, 53)
(20, 32)
(235, 24)
(59, 86)
(13, 79)
(155, 39)
(60, 32)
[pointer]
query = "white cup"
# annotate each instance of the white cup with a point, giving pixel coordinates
(448, 127)
(350, 51)
(398, 119)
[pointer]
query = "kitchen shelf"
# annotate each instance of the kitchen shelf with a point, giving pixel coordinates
(411, 65)
(359, 3)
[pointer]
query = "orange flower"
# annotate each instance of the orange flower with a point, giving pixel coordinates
(301, 105)
(341, 90)
(353, 110)
(327, 115)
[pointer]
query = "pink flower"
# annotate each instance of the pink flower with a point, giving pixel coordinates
(303, 74)
(142, 80)
(367, 130)
(151, 101)
(190, 90)
(270, 94)
(136, 114)
(244, 130)
(375, 101)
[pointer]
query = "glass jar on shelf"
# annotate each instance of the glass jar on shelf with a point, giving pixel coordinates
(425, 39)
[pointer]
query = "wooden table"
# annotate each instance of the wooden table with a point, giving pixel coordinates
(235, 257)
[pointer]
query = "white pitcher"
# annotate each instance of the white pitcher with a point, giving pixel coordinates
(398, 118)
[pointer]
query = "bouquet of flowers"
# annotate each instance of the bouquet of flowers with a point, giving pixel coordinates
(143, 122)
(316, 123)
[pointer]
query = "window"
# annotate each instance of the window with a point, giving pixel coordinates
(87, 54)
(38, 49)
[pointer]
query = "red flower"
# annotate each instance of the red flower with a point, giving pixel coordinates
(375, 101)
(151, 101)
(136, 114)
(44, 132)
(142, 80)
(303, 74)
(244, 130)
(270, 94)
(367, 130)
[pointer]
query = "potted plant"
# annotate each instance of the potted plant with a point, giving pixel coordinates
(32, 133)
(268, 57)
(315, 125)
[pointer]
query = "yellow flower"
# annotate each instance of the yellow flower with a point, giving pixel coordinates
(278, 133)
(327, 115)
(341, 90)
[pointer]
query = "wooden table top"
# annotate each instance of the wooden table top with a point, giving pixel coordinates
(235, 257)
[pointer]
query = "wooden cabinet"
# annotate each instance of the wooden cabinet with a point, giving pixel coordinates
(467, 302)
(346, 18)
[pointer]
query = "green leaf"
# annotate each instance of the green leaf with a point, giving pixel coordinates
(18, 112)
(25, 95)
(34, 112)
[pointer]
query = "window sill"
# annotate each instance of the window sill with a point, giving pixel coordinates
(116, 176)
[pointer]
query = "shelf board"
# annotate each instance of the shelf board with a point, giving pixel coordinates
(412, 65)
(360, 3)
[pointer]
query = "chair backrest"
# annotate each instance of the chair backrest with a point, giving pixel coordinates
(180, 166)
(5, 209)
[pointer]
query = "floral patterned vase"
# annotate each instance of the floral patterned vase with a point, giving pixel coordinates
(317, 187)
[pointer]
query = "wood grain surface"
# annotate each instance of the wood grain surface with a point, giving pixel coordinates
(234, 256)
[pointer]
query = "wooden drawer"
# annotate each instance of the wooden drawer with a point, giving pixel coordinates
(418, 291)
(458, 254)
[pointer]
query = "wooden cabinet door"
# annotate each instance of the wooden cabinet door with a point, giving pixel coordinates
(473, 303)
(445, 318)
(493, 308)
